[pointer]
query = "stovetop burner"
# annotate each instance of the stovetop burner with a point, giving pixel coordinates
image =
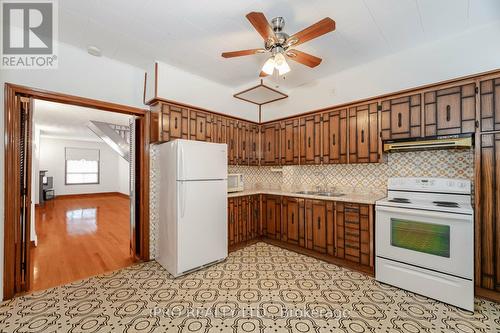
(400, 200)
(445, 204)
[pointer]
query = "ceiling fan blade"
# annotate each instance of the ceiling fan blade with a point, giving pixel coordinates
(320, 28)
(242, 53)
(304, 58)
(260, 23)
(263, 74)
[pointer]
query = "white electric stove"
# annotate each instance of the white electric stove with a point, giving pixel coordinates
(424, 238)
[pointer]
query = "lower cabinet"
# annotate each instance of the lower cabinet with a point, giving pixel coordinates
(293, 223)
(243, 219)
(271, 216)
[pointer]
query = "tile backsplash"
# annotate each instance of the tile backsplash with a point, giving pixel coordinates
(436, 163)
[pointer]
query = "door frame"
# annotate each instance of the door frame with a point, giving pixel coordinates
(11, 168)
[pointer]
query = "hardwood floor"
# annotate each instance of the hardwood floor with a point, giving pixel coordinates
(79, 237)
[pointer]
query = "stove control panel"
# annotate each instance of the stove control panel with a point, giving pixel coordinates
(438, 185)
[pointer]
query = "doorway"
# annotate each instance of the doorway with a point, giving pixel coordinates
(79, 211)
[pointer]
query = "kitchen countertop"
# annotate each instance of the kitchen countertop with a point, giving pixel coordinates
(351, 195)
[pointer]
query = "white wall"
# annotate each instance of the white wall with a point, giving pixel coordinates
(180, 86)
(78, 74)
(469, 53)
(123, 176)
(35, 179)
(52, 159)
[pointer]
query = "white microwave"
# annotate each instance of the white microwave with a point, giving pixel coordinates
(234, 182)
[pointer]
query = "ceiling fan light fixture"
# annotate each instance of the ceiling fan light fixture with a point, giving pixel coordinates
(269, 65)
(283, 68)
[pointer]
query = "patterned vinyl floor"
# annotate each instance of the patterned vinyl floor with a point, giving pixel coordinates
(260, 288)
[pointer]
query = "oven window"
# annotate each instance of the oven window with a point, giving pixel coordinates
(421, 237)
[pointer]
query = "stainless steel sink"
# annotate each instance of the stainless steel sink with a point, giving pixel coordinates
(330, 194)
(307, 192)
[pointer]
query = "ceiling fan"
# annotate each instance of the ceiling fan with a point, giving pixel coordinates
(279, 44)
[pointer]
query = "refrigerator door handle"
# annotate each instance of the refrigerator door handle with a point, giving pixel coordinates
(182, 174)
(182, 195)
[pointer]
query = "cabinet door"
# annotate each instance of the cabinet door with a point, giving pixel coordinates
(363, 134)
(316, 225)
(243, 219)
(290, 142)
(243, 143)
(254, 145)
(490, 104)
(272, 216)
(271, 140)
(293, 221)
(221, 130)
(232, 137)
(335, 136)
(254, 212)
(401, 118)
(487, 231)
(174, 122)
(310, 139)
(450, 111)
(201, 126)
(231, 220)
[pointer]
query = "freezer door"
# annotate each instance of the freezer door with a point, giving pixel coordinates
(202, 223)
(201, 160)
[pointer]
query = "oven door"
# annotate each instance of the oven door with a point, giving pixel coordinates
(434, 240)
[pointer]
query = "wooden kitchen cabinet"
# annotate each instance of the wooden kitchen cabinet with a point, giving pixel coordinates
(310, 139)
(201, 126)
(354, 233)
(293, 223)
(290, 142)
(270, 137)
(489, 92)
(254, 145)
(232, 221)
(220, 129)
(487, 232)
(319, 225)
(243, 218)
(243, 149)
(169, 122)
(364, 134)
(254, 229)
(271, 216)
(450, 110)
(335, 136)
(401, 117)
(232, 140)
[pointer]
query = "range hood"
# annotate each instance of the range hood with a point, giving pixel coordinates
(438, 142)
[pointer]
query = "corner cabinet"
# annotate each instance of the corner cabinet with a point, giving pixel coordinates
(364, 134)
(270, 138)
(243, 220)
(271, 216)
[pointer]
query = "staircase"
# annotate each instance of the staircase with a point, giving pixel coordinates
(116, 136)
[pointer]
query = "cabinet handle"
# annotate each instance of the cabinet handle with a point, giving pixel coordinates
(319, 223)
(333, 140)
(289, 144)
(232, 144)
(270, 214)
(269, 146)
(399, 119)
(309, 142)
(244, 145)
(201, 127)
(362, 136)
(175, 123)
(254, 146)
(292, 218)
(448, 113)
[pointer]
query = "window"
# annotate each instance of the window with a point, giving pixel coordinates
(82, 166)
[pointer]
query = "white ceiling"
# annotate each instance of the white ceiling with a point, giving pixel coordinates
(191, 34)
(65, 121)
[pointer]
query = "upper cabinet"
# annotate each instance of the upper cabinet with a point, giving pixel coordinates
(243, 143)
(401, 117)
(364, 134)
(170, 122)
(335, 136)
(270, 136)
(490, 104)
(254, 144)
(201, 126)
(290, 142)
(310, 139)
(450, 111)
(232, 137)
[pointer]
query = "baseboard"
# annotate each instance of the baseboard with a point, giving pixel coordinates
(91, 195)
(488, 294)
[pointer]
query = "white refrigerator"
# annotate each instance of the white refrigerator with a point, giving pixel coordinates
(192, 205)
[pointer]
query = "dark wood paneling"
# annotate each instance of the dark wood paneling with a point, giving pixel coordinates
(450, 111)
(290, 142)
(401, 117)
(488, 208)
(363, 134)
(310, 139)
(270, 136)
(490, 104)
(335, 136)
